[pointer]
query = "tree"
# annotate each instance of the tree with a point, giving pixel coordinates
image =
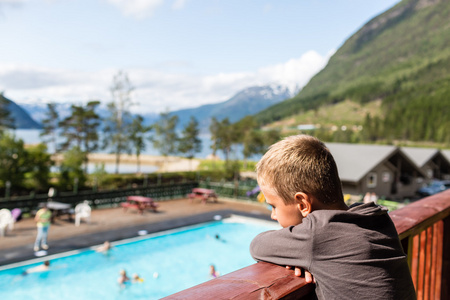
(71, 127)
(165, 138)
(14, 162)
(253, 143)
(90, 127)
(117, 125)
(214, 128)
(80, 129)
(71, 170)
(20, 165)
(253, 140)
(40, 163)
(222, 136)
(270, 137)
(189, 141)
(247, 134)
(138, 133)
(50, 126)
(6, 120)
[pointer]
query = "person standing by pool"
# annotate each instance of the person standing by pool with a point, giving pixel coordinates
(42, 218)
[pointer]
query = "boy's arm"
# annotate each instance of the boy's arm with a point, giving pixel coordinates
(291, 246)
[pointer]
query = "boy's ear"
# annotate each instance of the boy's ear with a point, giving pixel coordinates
(303, 203)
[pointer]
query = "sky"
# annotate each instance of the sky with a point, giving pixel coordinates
(176, 53)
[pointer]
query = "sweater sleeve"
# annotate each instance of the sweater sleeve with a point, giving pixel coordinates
(289, 246)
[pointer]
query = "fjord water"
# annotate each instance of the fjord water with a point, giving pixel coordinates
(31, 136)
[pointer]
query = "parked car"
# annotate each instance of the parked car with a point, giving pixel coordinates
(436, 186)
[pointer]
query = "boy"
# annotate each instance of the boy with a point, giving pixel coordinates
(353, 253)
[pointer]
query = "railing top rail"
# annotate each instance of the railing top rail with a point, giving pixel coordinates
(248, 284)
(415, 217)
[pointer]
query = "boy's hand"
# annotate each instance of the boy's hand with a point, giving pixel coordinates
(298, 272)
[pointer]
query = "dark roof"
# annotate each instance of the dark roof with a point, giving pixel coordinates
(354, 161)
(446, 154)
(420, 156)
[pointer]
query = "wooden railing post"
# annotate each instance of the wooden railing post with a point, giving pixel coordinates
(445, 283)
(407, 244)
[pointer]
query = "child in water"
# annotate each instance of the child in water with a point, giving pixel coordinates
(136, 278)
(123, 278)
(212, 272)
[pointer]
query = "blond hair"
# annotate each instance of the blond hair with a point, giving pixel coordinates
(300, 163)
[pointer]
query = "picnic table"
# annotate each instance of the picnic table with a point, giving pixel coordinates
(202, 194)
(140, 203)
(59, 209)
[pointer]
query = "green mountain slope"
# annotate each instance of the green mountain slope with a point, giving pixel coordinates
(402, 57)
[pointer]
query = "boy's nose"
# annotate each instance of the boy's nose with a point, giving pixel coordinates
(273, 216)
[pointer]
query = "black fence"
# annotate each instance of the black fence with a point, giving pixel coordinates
(97, 199)
(112, 198)
(235, 189)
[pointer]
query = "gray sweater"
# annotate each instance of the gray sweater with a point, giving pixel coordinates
(353, 254)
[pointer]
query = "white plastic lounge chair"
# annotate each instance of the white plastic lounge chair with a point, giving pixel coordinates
(82, 210)
(6, 221)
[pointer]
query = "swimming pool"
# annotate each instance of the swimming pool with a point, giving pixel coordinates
(169, 262)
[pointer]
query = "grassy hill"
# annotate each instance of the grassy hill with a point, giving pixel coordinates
(340, 114)
(401, 57)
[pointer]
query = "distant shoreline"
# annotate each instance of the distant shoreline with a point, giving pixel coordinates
(164, 164)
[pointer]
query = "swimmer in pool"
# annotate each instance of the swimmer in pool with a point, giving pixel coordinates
(212, 271)
(219, 238)
(123, 278)
(104, 248)
(136, 278)
(41, 268)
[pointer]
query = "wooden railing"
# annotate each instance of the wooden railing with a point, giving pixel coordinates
(424, 230)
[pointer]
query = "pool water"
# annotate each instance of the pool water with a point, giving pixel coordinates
(168, 263)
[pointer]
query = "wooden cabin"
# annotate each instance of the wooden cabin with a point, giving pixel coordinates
(432, 162)
(382, 169)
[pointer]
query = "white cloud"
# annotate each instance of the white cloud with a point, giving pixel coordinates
(25, 83)
(155, 90)
(138, 9)
(11, 4)
(178, 4)
(12, 1)
(267, 8)
(296, 72)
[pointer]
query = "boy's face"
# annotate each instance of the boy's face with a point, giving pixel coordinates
(286, 215)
